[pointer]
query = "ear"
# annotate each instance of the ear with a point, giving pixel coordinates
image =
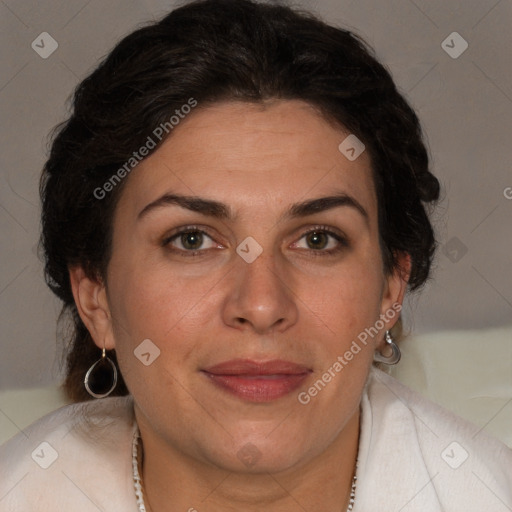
(394, 290)
(92, 304)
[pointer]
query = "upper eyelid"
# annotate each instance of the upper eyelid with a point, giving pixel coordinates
(337, 233)
(187, 229)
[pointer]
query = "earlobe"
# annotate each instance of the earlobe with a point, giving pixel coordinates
(92, 305)
(396, 287)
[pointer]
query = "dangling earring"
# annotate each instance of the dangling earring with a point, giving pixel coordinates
(395, 352)
(101, 376)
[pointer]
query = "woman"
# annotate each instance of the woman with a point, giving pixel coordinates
(232, 216)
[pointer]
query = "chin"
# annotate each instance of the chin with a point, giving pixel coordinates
(259, 454)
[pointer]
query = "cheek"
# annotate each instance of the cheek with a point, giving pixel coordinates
(153, 302)
(151, 309)
(348, 299)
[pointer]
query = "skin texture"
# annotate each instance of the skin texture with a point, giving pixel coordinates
(294, 302)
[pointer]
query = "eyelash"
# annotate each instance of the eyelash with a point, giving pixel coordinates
(341, 239)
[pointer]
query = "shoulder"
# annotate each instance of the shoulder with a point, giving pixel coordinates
(457, 462)
(385, 392)
(95, 422)
(71, 450)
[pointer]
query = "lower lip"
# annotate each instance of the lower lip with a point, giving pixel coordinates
(258, 388)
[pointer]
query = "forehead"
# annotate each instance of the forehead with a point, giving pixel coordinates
(252, 156)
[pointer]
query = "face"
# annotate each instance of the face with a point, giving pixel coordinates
(247, 238)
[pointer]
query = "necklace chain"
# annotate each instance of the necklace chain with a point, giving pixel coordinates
(137, 479)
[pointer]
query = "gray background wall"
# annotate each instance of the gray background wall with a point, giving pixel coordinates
(465, 104)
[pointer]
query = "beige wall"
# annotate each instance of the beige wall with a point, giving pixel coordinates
(465, 105)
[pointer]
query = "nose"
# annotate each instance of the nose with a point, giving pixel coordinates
(260, 298)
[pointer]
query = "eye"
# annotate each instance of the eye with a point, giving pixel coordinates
(189, 240)
(192, 241)
(321, 240)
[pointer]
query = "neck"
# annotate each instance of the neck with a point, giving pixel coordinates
(174, 481)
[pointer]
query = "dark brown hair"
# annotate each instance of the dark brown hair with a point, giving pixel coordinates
(217, 50)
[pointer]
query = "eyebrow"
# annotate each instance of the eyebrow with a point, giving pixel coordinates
(222, 211)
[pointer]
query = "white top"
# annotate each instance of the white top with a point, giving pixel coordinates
(413, 456)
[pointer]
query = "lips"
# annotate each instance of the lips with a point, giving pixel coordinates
(248, 367)
(257, 381)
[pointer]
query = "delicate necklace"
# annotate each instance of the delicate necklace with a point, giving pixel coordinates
(137, 480)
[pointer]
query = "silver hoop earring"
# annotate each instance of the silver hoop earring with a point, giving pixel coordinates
(395, 352)
(101, 378)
